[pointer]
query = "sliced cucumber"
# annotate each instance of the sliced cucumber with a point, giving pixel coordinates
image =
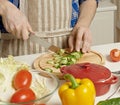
(50, 62)
(76, 55)
(62, 58)
(48, 70)
(63, 62)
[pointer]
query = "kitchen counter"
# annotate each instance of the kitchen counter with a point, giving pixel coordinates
(106, 6)
(104, 50)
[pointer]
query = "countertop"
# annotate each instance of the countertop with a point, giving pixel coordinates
(104, 50)
(106, 6)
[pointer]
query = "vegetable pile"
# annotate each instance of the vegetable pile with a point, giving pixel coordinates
(16, 81)
(62, 58)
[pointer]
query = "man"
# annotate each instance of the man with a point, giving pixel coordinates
(83, 12)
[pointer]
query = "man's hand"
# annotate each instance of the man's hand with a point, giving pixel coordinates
(15, 21)
(80, 39)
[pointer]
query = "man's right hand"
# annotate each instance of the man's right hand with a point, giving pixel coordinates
(14, 20)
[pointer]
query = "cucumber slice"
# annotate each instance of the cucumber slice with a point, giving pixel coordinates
(76, 54)
(48, 70)
(63, 62)
(50, 62)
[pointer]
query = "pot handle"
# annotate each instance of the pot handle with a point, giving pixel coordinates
(113, 79)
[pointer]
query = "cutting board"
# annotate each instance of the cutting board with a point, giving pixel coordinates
(40, 62)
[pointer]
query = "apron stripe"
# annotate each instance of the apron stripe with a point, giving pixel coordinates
(51, 16)
(39, 15)
(57, 20)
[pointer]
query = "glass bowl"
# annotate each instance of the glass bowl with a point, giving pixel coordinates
(50, 82)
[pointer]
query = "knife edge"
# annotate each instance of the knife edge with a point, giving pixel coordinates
(44, 43)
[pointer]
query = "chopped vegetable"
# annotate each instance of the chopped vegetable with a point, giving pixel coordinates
(62, 58)
(49, 70)
(39, 86)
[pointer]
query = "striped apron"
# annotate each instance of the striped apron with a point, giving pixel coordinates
(50, 18)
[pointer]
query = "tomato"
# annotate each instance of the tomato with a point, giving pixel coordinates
(23, 95)
(22, 79)
(115, 55)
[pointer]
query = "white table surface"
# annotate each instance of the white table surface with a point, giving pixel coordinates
(104, 50)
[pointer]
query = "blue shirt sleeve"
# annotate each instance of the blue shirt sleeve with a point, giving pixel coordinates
(76, 11)
(15, 2)
(80, 1)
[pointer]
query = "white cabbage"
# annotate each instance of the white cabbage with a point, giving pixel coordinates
(8, 68)
(38, 85)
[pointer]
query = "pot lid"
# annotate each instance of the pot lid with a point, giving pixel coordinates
(95, 72)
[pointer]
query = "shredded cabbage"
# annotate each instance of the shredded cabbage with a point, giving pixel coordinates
(39, 86)
(8, 67)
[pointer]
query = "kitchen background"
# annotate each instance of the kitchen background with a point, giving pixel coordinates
(104, 26)
(117, 18)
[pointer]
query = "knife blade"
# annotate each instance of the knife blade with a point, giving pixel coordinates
(44, 43)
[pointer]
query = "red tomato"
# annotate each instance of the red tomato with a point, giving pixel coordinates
(22, 79)
(115, 55)
(23, 95)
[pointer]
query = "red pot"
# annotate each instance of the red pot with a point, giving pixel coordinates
(100, 75)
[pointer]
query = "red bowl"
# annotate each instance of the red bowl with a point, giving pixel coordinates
(100, 75)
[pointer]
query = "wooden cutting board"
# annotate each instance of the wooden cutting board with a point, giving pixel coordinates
(40, 63)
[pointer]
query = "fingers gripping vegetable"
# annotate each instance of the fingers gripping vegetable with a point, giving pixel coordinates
(23, 95)
(23, 78)
(113, 101)
(115, 55)
(77, 91)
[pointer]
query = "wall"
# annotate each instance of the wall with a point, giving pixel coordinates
(102, 27)
(117, 20)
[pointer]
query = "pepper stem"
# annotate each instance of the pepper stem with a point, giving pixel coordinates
(72, 80)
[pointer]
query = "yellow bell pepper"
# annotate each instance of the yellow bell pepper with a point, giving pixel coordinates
(77, 91)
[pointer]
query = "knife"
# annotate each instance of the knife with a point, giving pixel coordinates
(44, 43)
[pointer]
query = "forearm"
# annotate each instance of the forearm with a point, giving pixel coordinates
(3, 4)
(87, 13)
